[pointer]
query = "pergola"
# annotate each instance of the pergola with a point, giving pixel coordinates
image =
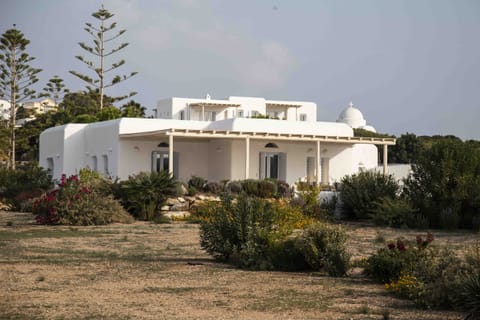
(211, 104)
(255, 135)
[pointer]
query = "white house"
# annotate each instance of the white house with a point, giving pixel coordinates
(217, 140)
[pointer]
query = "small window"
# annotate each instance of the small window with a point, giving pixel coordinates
(50, 166)
(239, 113)
(271, 145)
(106, 170)
(303, 117)
(94, 163)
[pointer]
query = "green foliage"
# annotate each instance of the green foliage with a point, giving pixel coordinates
(393, 212)
(258, 234)
(85, 118)
(55, 89)
(445, 180)
(101, 38)
(197, 182)
(308, 199)
(75, 203)
(133, 109)
(250, 187)
(407, 149)
(213, 187)
(234, 187)
(77, 103)
(360, 192)
(368, 133)
(145, 193)
(23, 184)
(16, 79)
(324, 247)
(432, 278)
(108, 113)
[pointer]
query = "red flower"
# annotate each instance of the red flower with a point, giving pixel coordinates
(401, 246)
(391, 246)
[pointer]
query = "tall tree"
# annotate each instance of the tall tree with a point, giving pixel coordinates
(100, 39)
(16, 78)
(55, 90)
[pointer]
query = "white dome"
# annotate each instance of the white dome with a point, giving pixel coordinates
(352, 116)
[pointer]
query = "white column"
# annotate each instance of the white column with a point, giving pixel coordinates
(385, 159)
(317, 164)
(170, 154)
(203, 112)
(247, 157)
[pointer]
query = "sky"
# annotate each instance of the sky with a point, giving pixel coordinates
(408, 65)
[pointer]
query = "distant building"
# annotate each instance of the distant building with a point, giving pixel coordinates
(228, 139)
(4, 110)
(40, 107)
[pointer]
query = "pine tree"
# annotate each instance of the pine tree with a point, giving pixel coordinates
(16, 78)
(98, 49)
(55, 90)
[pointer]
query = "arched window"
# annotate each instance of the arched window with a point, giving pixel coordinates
(271, 145)
(163, 145)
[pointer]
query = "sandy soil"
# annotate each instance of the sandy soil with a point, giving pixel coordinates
(149, 271)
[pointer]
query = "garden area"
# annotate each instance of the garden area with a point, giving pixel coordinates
(159, 271)
(374, 249)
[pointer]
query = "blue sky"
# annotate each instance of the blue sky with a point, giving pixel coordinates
(408, 65)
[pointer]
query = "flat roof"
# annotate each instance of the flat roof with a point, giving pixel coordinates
(200, 133)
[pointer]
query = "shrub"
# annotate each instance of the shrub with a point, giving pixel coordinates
(449, 218)
(257, 234)
(398, 258)
(250, 187)
(283, 189)
(213, 187)
(234, 187)
(468, 294)
(17, 186)
(267, 188)
(324, 247)
(144, 194)
(361, 191)
(75, 203)
(393, 212)
(197, 182)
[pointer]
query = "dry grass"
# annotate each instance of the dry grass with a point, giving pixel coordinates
(148, 271)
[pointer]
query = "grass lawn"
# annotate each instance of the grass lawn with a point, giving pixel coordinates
(151, 271)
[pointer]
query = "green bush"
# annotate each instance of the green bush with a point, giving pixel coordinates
(76, 203)
(267, 188)
(197, 182)
(444, 183)
(393, 212)
(250, 187)
(360, 192)
(308, 199)
(324, 247)
(213, 187)
(234, 187)
(145, 193)
(22, 185)
(254, 233)
(430, 277)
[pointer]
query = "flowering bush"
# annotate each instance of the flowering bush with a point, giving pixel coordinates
(399, 258)
(75, 203)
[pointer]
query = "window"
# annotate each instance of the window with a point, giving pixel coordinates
(182, 115)
(50, 166)
(94, 163)
(273, 165)
(160, 162)
(254, 114)
(239, 113)
(303, 117)
(225, 114)
(210, 115)
(106, 170)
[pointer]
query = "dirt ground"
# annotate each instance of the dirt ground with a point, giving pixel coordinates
(158, 271)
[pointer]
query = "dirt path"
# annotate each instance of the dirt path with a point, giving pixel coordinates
(148, 271)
